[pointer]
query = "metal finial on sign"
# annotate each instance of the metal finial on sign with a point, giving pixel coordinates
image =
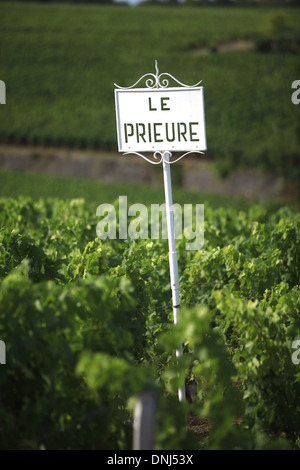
(157, 80)
(157, 74)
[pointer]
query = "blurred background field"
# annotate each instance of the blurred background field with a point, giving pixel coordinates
(60, 63)
(14, 184)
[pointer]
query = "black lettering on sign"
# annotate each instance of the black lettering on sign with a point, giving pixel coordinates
(126, 132)
(182, 131)
(163, 104)
(156, 133)
(140, 133)
(193, 133)
(169, 138)
(149, 131)
(150, 105)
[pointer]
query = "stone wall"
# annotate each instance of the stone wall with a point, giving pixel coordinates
(193, 172)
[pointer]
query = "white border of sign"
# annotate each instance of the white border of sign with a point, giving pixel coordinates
(160, 119)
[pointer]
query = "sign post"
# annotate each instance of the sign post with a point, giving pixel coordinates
(172, 252)
(159, 119)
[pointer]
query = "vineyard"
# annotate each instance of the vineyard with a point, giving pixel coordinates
(88, 324)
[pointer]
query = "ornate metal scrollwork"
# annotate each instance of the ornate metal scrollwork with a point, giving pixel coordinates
(159, 156)
(157, 80)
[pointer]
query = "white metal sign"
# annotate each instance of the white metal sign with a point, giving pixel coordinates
(160, 119)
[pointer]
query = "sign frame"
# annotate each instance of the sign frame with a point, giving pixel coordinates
(163, 118)
(155, 83)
